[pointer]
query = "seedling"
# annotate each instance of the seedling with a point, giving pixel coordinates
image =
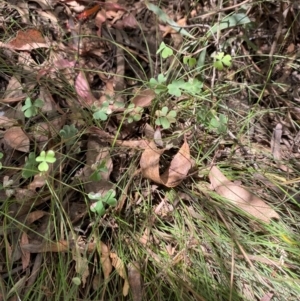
(219, 124)
(103, 201)
(45, 158)
(102, 112)
(30, 168)
(222, 61)
(68, 133)
(164, 50)
(165, 118)
(135, 113)
(30, 108)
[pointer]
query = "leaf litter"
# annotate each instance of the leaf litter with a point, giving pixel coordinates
(100, 56)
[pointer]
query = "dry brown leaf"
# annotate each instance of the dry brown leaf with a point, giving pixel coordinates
(144, 98)
(17, 139)
(25, 254)
(177, 171)
(118, 264)
(27, 40)
(105, 260)
(35, 215)
(241, 197)
(135, 280)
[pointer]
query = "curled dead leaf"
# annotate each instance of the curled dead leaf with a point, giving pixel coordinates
(241, 197)
(105, 260)
(176, 172)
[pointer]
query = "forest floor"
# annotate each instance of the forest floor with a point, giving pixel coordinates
(149, 150)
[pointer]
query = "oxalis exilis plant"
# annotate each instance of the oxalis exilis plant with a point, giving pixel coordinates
(134, 113)
(102, 201)
(45, 158)
(165, 117)
(30, 108)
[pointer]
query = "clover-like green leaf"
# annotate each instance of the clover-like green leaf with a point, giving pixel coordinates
(191, 61)
(68, 133)
(219, 124)
(221, 60)
(158, 84)
(108, 198)
(30, 108)
(45, 158)
(30, 168)
(165, 118)
(102, 112)
(98, 207)
(164, 50)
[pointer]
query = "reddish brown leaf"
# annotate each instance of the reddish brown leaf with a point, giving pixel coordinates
(241, 197)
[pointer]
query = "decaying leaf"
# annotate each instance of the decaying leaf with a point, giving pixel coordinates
(105, 260)
(17, 139)
(177, 171)
(241, 197)
(118, 264)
